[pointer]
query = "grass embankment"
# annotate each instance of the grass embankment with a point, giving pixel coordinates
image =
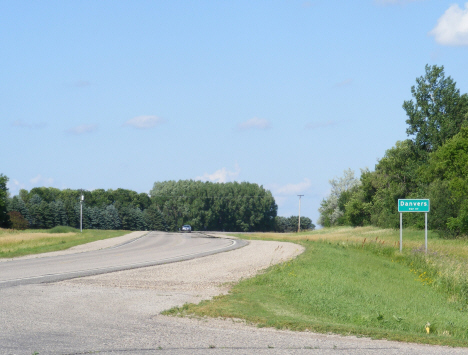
(34, 241)
(355, 281)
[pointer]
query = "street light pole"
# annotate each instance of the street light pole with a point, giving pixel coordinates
(81, 213)
(299, 224)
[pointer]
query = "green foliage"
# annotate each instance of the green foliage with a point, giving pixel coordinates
(332, 208)
(4, 219)
(18, 205)
(154, 219)
(47, 194)
(111, 218)
(229, 206)
(438, 111)
(433, 164)
(291, 224)
(132, 218)
(205, 206)
(46, 207)
(357, 211)
(18, 221)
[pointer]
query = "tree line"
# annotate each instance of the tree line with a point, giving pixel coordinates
(432, 163)
(238, 207)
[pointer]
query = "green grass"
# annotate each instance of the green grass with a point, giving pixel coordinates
(355, 281)
(63, 229)
(34, 241)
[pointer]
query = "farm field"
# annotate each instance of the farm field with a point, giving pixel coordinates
(354, 281)
(15, 243)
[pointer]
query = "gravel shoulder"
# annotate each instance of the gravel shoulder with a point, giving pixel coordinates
(200, 278)
(119, 312)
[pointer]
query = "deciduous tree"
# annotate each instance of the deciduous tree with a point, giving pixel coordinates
(438, 110)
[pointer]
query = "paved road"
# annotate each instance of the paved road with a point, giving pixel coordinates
(151, 249)
(67, 318)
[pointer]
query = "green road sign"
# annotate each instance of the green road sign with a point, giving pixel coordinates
(407, 205)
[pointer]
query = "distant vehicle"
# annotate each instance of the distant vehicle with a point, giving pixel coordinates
(186, 228)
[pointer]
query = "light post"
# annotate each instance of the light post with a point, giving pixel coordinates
(299, 225)
(81, 213)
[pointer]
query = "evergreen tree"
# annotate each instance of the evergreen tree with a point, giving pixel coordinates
(17, 204)
(132, 218)
(47, 212)
(4, 218)
(35, 212)
(154, 219)
(96, 218)
(111, 218)
(59, 214)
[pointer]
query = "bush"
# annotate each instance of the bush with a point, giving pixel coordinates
(18, 221)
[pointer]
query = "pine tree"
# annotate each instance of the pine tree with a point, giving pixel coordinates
(17, 204)
(111, 218)
(154, 219)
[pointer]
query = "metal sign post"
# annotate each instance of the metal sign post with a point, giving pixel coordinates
(401, 232)
(413, 205)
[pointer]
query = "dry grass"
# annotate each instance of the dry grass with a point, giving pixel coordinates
(18, 243)
(11, 238)
(412, 239)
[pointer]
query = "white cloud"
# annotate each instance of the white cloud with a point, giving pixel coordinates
(293, 189)
(315, 125)
(14, 186)
(144, 122)
(452, 27)
(40, 180)
(25, 124)
(221, 175)
(82, 129)
(254, 123)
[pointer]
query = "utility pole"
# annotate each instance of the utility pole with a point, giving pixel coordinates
(81, 212)
(299, 224)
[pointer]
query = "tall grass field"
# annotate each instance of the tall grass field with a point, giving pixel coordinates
(34, 241)
(356, 281)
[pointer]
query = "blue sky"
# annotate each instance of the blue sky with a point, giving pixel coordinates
(287, 94)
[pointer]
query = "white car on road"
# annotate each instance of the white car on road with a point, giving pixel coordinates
(186, 228)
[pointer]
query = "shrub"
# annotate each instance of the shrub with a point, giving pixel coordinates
(18, 221)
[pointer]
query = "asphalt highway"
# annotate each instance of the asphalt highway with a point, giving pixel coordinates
(153, 248)
(98, 315)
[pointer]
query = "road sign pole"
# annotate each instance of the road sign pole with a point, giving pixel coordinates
(413, 205)
(425, 231)
(401, 232)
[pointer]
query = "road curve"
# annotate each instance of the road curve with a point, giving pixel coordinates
(153, 248)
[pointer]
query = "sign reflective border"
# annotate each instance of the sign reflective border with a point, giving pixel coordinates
(408, 205)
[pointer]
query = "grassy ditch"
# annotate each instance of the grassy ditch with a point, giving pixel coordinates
(355, 281)
(34, 241)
